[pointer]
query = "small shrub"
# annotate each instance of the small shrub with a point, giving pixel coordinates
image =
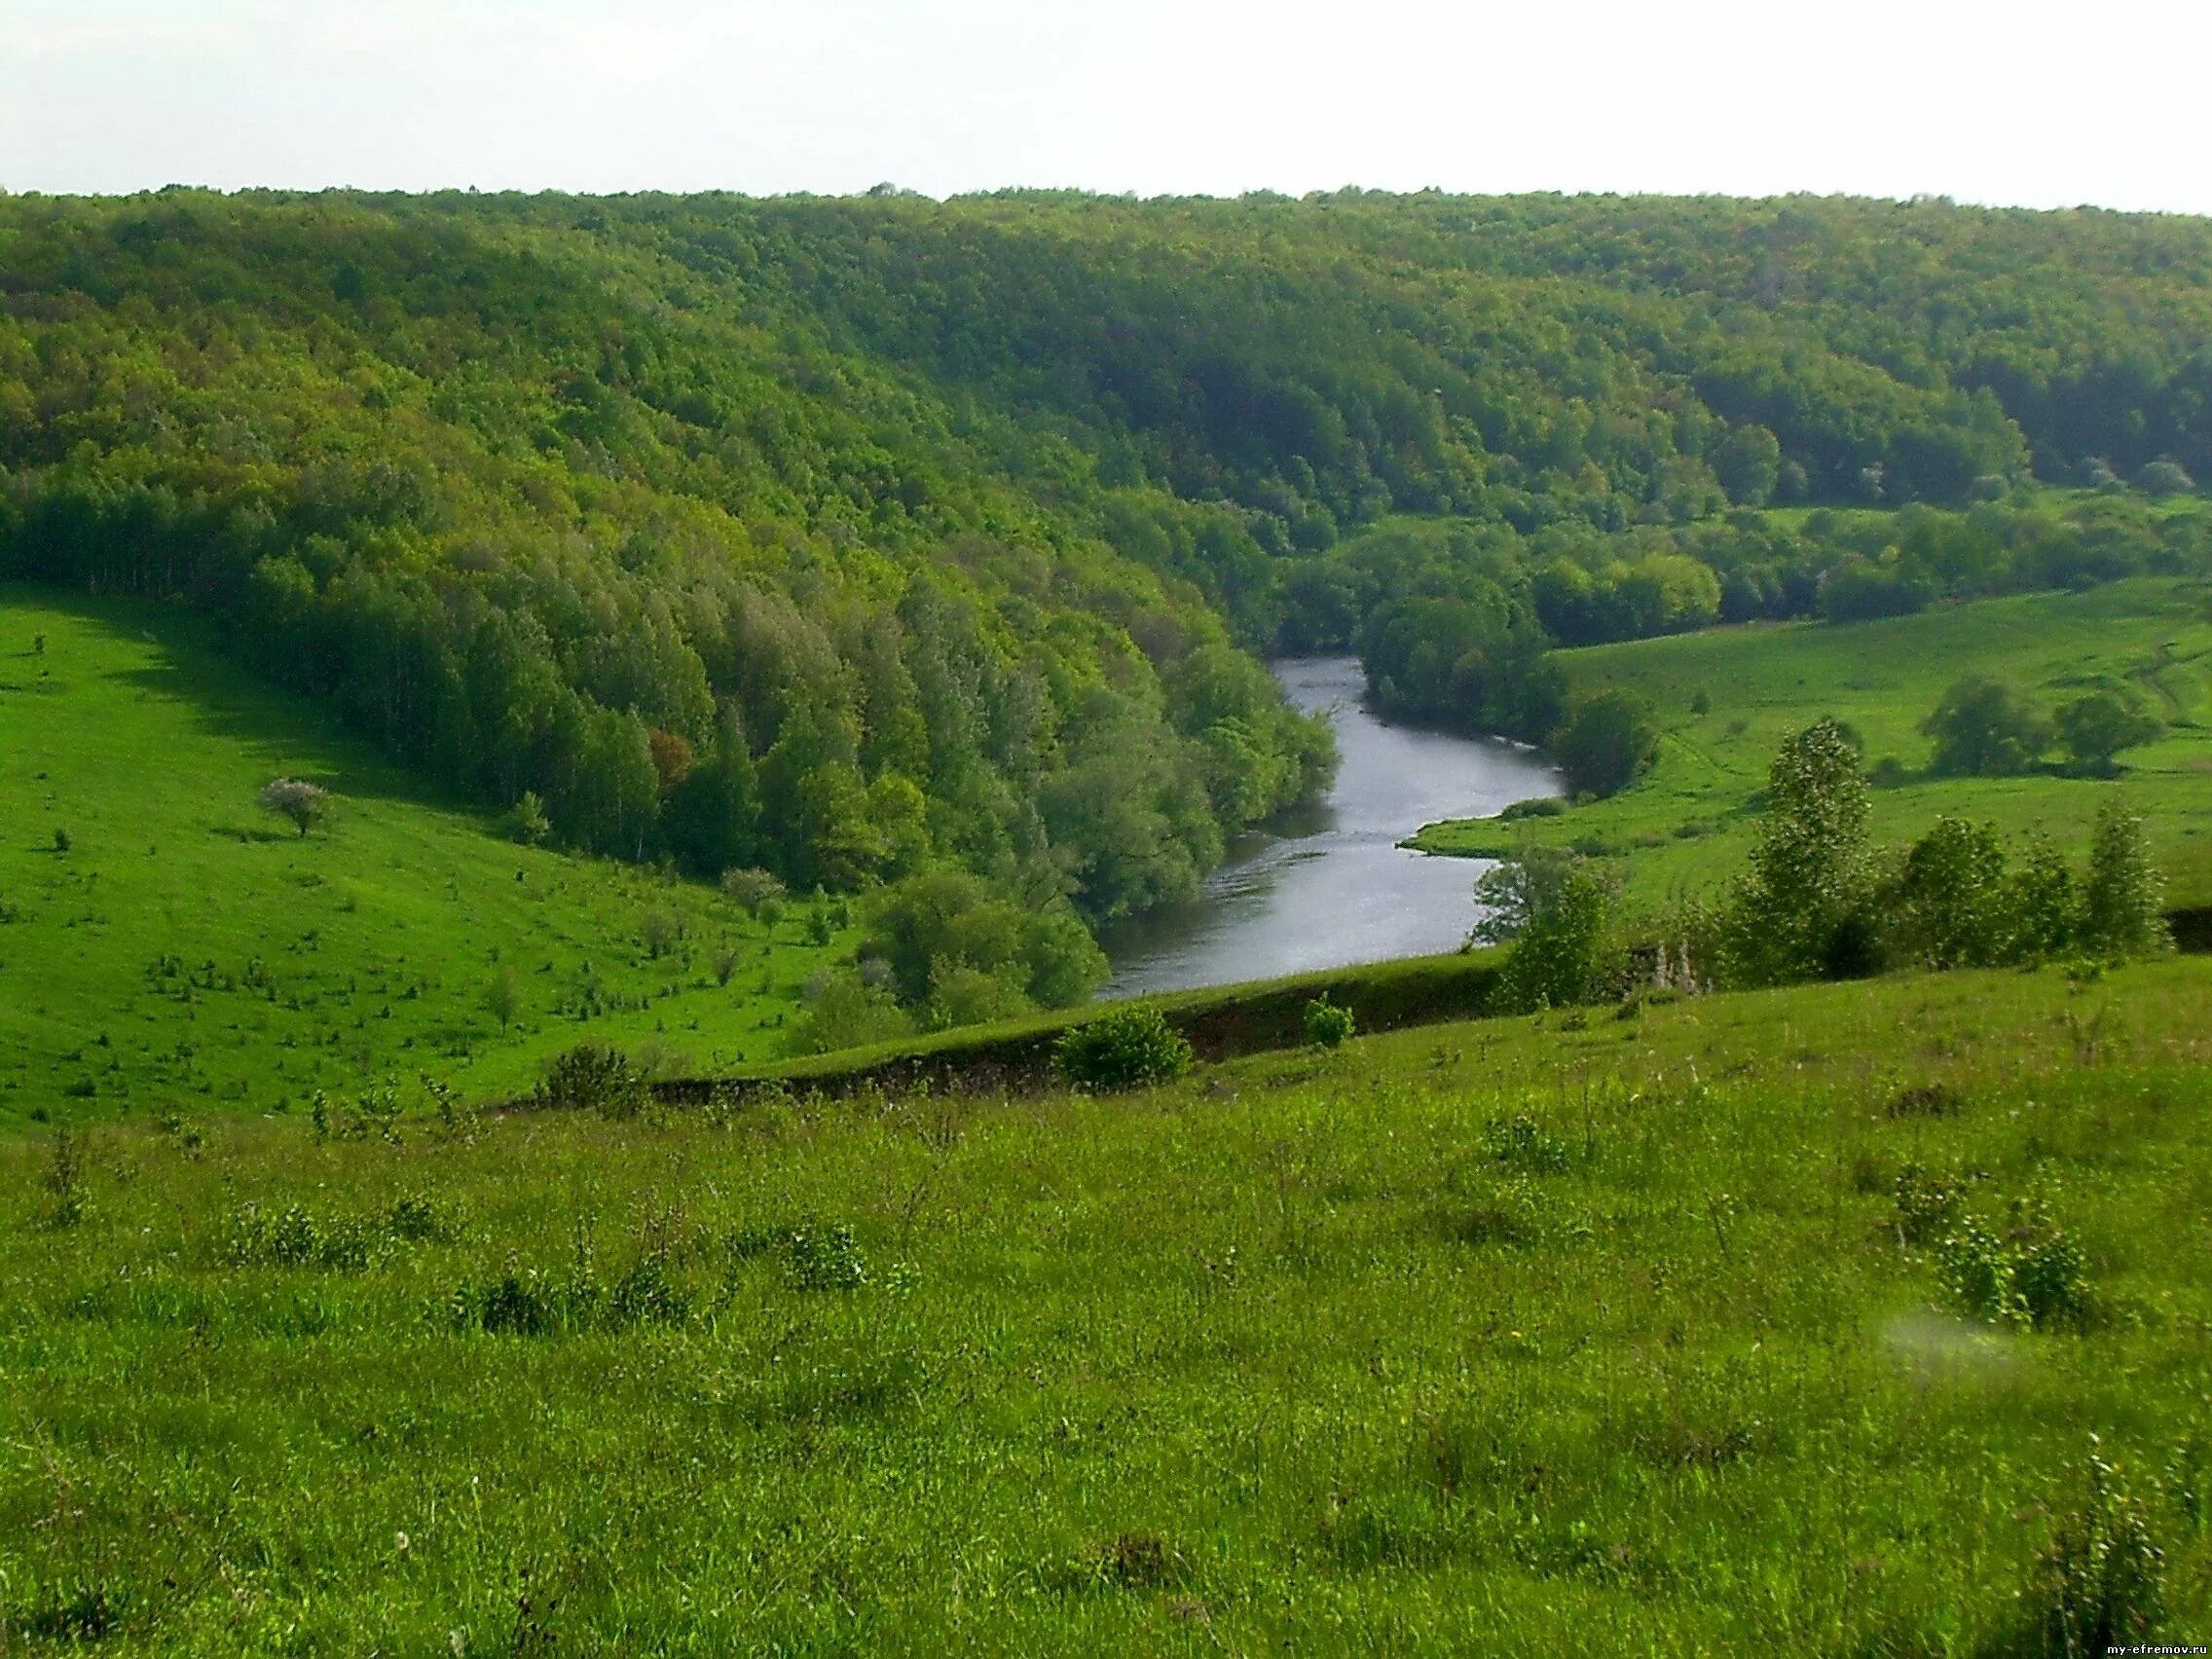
(526, 821)
(67, 1197)
(2029, 1276)
(1129, 1046)
(1540, 806)
(662, 931)
(61, 842)
(1927, 1206)
(1327, 1027)
(594, 1078)
(2101, 1584)
(1520, 1142)
(1927, 1100)
(826, 1259)
(753, 890)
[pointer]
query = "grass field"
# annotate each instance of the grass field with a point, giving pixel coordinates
(1586, 1334)
(187, 948)
(1687, 825)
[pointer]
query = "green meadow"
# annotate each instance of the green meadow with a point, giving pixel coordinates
(1687, 826)
(1606, 1332)
(187, 949)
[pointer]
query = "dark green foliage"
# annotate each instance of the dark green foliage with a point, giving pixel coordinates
(1129, 1047)
(593, 1078)
(1522, 1143)
(1985, 729)
(2029, 1274)
(1326, 1025)
(1606, 741)
(2093, 729)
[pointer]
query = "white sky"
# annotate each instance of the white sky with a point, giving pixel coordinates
(2021, 101)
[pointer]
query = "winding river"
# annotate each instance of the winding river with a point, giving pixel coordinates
(1332, 886)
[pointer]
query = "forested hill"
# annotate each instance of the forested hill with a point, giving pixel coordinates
(857, 539)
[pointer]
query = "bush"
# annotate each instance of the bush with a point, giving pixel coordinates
(1327, 1027)
(526, 821)
(2164, 478)
(1129, 1046)
(1562, 953)
(1541, 806)
(594, 1078)
(754, 891)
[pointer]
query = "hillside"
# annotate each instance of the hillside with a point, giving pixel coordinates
(1618, 1335)
(189, 950)
(1685, 828)
(863, 541)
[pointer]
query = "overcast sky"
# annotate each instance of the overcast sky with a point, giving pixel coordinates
(2022, 101)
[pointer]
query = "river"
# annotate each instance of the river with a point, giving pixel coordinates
(1331, 886)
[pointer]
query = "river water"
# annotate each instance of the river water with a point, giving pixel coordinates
(1332, 886)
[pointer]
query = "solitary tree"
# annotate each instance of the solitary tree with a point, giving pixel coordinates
(1798, 911)
(503, 997)
(2095, 728)
(1606, 739)
(305, 804)
(1985, 729)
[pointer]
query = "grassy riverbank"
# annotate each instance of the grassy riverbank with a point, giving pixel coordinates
(1688, 824)
(1578, 1331)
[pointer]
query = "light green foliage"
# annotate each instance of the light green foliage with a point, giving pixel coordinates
(1564, 952)
(1476, 1338)
(1326, 1025)
(1953, 907)
(1798, 911)
(1129, 1047)
(2122, 897)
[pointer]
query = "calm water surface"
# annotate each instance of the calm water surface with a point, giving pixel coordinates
(1334, 887)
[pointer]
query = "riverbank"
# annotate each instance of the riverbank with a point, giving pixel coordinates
(1727, 698)
(1336, 886)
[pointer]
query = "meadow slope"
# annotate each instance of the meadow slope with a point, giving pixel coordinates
(1687, 825)
(188, 948)
(1584, 1334)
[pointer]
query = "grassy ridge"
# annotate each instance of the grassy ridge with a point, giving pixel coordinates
(1324, 1351)
(188, 948)
(1687, 825)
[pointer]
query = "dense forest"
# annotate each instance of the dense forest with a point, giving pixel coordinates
(860, 539)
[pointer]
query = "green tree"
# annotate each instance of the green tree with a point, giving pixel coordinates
(2093, 729)
(1607, 739)
(1749, 465)
(1953, 907)
(1984, 727)
(1562, 953)
(2123, 896)
(1799, 912)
